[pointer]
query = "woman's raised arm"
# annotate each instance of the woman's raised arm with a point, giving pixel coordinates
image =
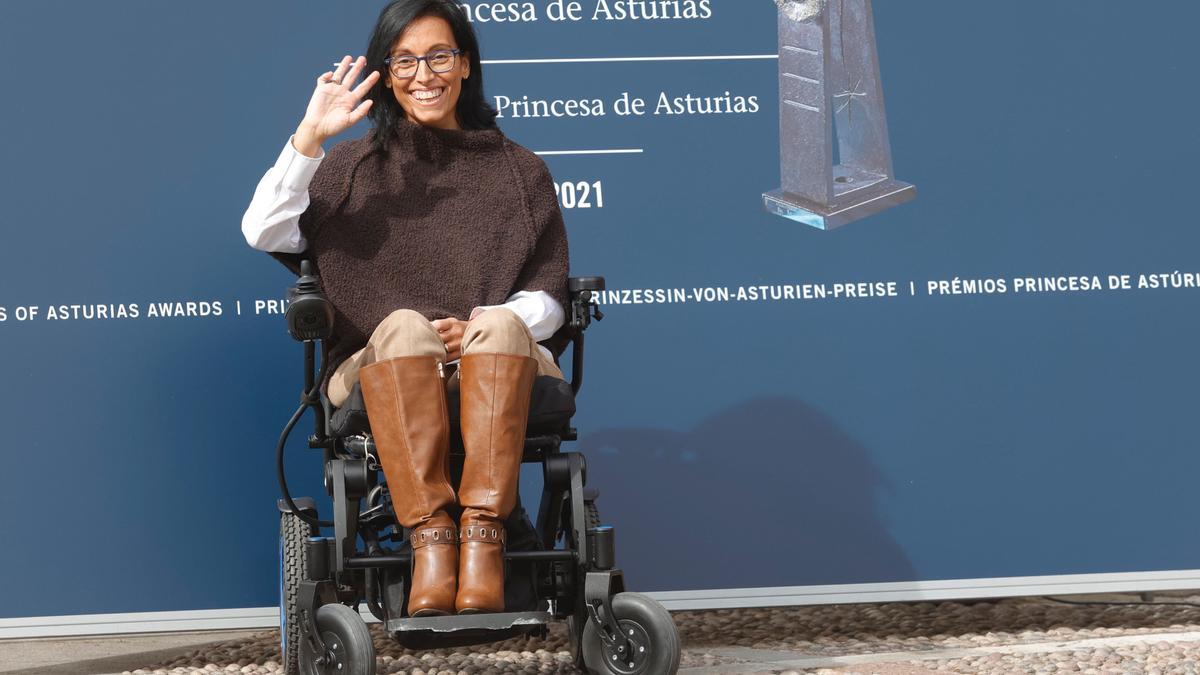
(271, 222)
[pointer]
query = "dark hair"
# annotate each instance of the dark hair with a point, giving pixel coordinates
(474, 112)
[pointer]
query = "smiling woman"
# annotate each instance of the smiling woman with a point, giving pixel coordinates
(425, 73)
(437, 240)
(408, 50)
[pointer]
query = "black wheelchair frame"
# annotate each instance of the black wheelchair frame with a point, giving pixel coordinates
(323, 579)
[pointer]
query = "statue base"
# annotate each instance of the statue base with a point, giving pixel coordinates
(858, 194)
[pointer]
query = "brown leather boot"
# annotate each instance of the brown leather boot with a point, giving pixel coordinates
(494, 394)
(406, 403)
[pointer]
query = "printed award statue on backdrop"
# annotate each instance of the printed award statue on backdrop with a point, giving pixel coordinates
(835, 159)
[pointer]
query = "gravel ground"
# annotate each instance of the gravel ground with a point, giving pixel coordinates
(1153, 657)
(1019, 635)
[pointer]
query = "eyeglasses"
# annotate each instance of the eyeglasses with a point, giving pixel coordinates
(440, 61)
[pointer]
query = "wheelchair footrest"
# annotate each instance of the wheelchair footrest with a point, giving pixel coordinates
(464, 622)
(404, 558)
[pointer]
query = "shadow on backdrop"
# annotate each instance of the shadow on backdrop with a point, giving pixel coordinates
(697, 508)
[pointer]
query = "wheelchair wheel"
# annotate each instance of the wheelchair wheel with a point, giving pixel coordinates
(574, 639)
(292, 534)
(347, 637)
(650, 629)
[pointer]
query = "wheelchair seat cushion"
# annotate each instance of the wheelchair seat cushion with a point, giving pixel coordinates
(550, 409)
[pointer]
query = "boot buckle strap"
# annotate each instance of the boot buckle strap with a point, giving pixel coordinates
(429, 536)
(491, 534)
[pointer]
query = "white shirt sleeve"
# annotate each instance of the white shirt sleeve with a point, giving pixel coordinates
(272, 221)
(537, 309)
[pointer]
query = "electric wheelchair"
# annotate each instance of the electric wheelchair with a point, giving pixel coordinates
(562, 567)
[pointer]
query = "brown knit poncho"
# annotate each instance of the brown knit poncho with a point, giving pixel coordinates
(444, 222)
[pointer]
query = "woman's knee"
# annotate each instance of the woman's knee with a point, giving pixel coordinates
(405, 332)
(497, 330)
(403, 317)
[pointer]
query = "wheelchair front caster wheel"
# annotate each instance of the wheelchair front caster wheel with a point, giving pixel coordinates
(651, 634)
(345, 634)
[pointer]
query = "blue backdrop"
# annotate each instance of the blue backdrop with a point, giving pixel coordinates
(919, 437)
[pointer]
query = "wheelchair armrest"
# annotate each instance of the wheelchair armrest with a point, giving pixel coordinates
(577, 284)
(583, 309)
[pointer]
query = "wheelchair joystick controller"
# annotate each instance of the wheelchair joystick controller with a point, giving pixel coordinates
(309, 313)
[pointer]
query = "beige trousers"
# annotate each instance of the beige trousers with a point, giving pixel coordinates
(407, 333)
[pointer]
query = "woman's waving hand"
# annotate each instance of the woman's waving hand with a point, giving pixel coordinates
(335, 106)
